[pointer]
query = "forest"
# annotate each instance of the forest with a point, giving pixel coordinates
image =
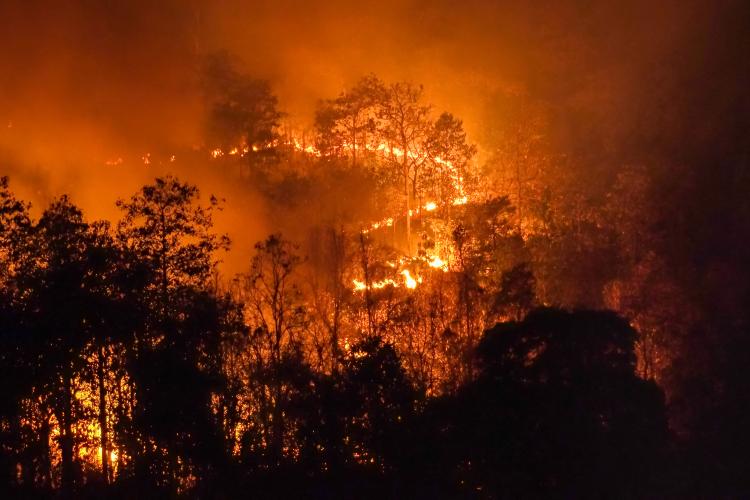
(434, 313)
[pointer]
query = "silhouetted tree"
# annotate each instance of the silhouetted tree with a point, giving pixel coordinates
(348, 125)
(556, 408)
(516, 295)
(405, 128)
(449, 155)
(67, 303)
(277, 320)
(166, 230)
(16, 356)
(242, 112)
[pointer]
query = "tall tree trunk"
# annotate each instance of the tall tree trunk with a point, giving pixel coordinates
(163, 265)
(338, 292)
(366, 270)
(408, 205)
(354, 141)
(277, 427)
(101, 370)
(66, 436)
(417, 201)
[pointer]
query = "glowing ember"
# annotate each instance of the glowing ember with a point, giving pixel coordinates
(112, 455)
(386, 282)
(438, 263)
(433, 261)
(409, 281)
(385, 149)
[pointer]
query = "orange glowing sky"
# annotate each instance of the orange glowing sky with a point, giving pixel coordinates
(85, 82)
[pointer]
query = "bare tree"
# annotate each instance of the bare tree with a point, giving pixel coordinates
(405, 128)
(277, 317)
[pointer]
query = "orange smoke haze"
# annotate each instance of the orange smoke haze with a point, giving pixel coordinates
(89, 82)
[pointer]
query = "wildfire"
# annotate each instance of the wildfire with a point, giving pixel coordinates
(382, 147)
(409, 281)
(433, 261)
(112, 455)
(360, 286)
(437, 263)
(309, 149)
(388, 222)
(85, 455)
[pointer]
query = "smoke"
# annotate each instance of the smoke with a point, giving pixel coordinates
(91, 89)
(90, 81)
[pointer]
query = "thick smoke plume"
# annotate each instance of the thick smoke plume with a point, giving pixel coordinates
(88, 82)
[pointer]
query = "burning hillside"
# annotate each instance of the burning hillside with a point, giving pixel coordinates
(383, 250)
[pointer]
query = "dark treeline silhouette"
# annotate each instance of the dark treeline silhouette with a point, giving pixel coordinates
(124, 329)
